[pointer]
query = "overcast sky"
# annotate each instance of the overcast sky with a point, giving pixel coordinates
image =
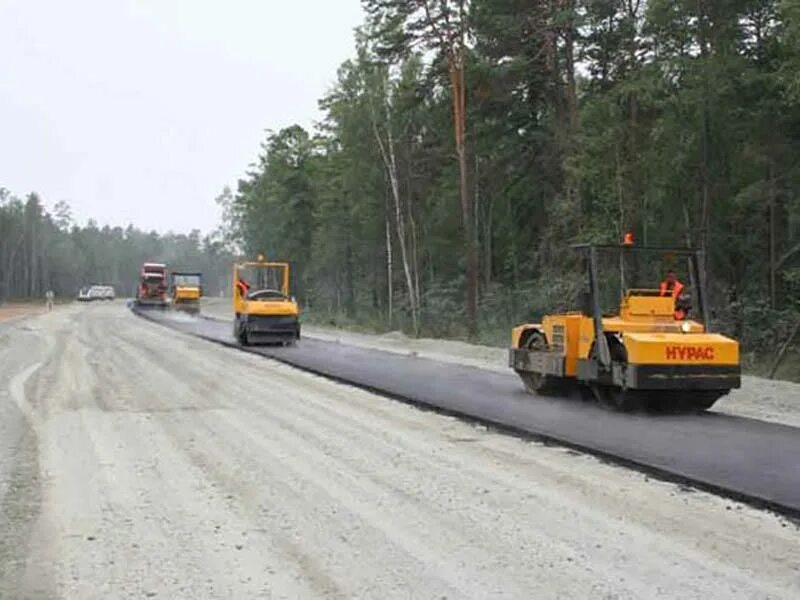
(140, 111)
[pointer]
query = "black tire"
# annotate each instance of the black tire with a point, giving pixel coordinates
(240, 332)
(681, 401)
(612, 397)
(540, 384)
(661, 401)
(705, 400)
(619, 400)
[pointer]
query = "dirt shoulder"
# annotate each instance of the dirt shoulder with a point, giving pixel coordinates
(764, 399)
(18, 310)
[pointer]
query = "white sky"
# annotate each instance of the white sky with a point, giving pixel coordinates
(141, 111)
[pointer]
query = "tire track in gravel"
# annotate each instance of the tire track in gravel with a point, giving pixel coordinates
(162, 372)
(26, 348)
(291, 437)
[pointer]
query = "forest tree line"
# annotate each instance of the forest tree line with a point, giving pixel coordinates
(466, 144)
(44, 250)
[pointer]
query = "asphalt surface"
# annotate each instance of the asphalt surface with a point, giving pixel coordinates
(751, 460)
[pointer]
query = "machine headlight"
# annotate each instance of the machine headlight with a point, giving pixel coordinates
(686, 327)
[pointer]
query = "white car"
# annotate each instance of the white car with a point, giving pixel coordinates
(96, 292)
(103, 292)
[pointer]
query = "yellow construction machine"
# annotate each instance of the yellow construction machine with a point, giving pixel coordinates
(185, 291)
(635, 343)
(264, 310)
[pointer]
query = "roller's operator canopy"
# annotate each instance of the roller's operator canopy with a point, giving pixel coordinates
(186, 279)
(615, 272)
(263, 280)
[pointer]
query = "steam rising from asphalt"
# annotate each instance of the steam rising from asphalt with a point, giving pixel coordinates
(182, 317)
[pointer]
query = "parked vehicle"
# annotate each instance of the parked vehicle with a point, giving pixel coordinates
(105, 292)
(91, 293)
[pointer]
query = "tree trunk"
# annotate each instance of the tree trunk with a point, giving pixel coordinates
(569, 66)
(389, 268)
(483, 226)
(782, 351)
(24, 289)
(10, 270)
(414, 236)
(772, 256)
(350, 305)
(459, 123)
(390, 163)
(414, 258)
(476, 215)
(487, 240)
(705, 201)
(637, 187)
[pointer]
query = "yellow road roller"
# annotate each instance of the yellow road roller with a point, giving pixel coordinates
(185, 291)
(637, 336)
(264, 310)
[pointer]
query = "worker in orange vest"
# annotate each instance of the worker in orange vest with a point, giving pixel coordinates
(673, 287)
(243, 286)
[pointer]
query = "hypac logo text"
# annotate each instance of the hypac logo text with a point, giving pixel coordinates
(690, 352)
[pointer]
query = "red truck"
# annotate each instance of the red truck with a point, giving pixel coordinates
(152, 290)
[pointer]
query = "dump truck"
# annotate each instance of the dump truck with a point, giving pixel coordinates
(264, 310)
(185, 291)
(630, 341)
(152, 288)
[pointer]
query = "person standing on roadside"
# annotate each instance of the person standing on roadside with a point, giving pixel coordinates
(49, 296)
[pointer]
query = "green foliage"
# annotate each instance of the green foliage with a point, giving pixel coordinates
(678, 120)
(41, 251)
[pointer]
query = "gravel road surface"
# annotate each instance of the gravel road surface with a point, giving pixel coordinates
(136, 462)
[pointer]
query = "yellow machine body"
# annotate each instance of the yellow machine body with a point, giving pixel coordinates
(185, 291)
(647, 329)
(186, 294)
(650, 353)
(263, 307)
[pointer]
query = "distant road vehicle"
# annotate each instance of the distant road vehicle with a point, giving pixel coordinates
(152, 290)
(96, 292)
(265, 312)
(106, 292)
(185, 291)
